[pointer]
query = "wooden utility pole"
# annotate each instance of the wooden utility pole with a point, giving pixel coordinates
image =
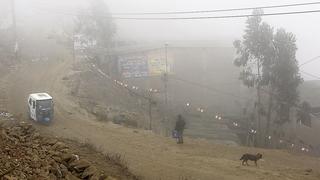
(73, 45)
(150, 101)
(150, 112)
(259, 104)
(165, 78)
(165, 81)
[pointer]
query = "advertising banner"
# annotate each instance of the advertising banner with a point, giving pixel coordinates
(134, 66)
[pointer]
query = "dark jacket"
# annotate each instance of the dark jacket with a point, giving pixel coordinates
(180, 124)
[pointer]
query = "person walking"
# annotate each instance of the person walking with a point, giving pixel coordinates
(179, 128)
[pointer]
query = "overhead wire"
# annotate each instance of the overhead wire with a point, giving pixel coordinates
(311, 75)
(219, 17)
(221, 10)
(309, 61)
(196, 17)
(208, 88)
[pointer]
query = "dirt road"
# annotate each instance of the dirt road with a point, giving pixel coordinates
(148, 155)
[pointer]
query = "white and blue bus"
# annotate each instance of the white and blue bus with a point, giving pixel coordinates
(40, 107)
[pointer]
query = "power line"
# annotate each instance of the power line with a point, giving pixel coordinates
(198, 17)
(209, 88)
(311, 75)
(219, 17)
(309, 61)
(220, 10)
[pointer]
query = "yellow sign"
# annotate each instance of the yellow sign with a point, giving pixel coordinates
(157, 66)
(157, 63)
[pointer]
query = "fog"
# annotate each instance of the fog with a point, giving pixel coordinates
(221, 31)
(131, 85)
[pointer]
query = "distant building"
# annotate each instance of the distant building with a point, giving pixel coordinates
(203, 76)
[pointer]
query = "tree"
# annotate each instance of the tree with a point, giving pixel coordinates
(286, 74)
(269, 63)
(255, 55)
(6, 36)
(94, 26)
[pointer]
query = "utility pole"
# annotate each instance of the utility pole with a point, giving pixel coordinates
(165, 81)
(259, 104)
(165, 78)
(14, 26)
(150, 110)
(73, 45)
(151, 102)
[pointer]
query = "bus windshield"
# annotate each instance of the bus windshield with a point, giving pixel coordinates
(44, 104)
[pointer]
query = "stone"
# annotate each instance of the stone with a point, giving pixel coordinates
(55, 169)
(67, 157)
(6, 177)
(80, 165)
(70, 176)
(95, 177)
(51, 141)
(52, 177)
(64, 169)
(58, 146)
(57, 159)
(111, 178)
(88, 172)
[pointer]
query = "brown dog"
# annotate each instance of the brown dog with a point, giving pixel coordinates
(250, 157)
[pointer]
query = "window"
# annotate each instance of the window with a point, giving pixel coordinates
(33, 104)
(44, 103)
(30, 102)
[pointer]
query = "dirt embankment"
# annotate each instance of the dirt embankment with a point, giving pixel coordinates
(109, 101)
(25, 154)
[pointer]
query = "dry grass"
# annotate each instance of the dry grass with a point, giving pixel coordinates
(119, 161)
(114, 159)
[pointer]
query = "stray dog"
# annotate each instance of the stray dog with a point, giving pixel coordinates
(250, 157)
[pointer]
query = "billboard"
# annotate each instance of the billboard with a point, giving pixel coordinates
(148, 64)
(157, 64)
(134, 66)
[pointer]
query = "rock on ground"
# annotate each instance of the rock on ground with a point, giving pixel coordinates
(26, 155)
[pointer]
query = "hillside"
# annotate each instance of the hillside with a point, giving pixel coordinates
(147, 154)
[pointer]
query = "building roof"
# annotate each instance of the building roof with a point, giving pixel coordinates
(149, 46)
(41, 96)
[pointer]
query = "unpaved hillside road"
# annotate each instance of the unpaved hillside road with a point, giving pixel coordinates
(148, 155)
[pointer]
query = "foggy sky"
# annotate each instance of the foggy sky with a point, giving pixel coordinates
(305, 26)
(225, 31)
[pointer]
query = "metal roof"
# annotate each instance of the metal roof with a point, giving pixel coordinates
(41, 96)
